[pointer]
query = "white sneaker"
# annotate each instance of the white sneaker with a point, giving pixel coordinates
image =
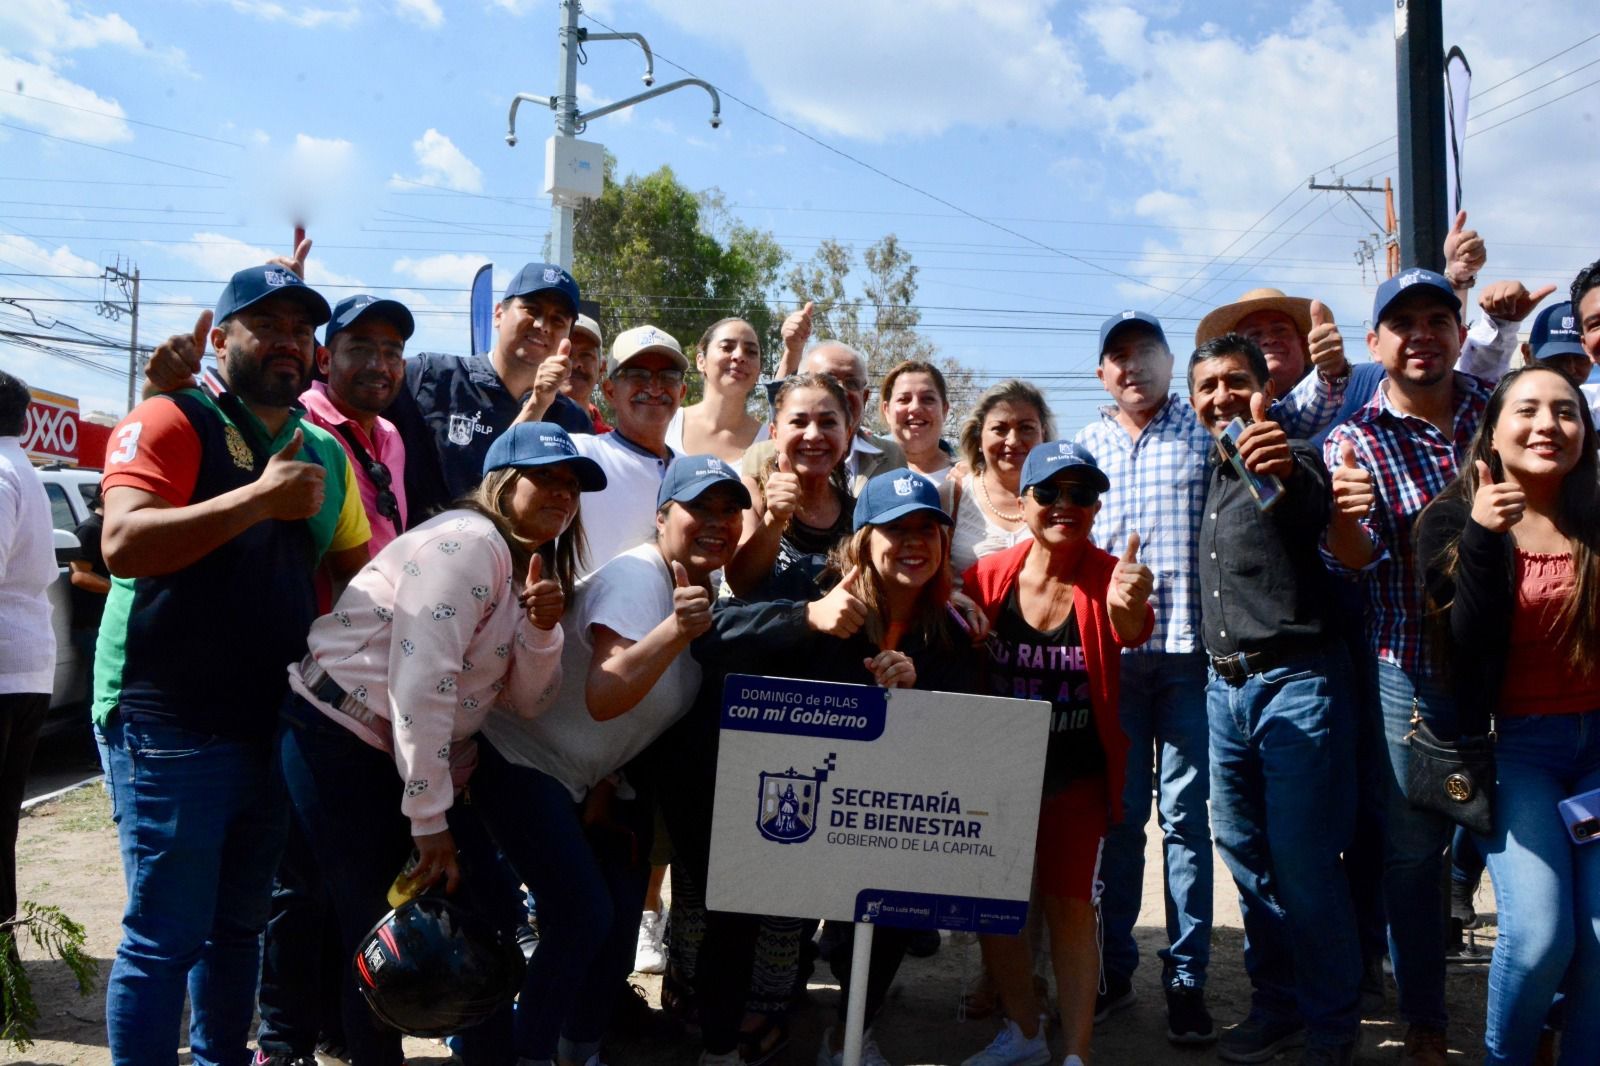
(870, 1055)
(649, 957)
(1011, 1048)
(1072, 1060)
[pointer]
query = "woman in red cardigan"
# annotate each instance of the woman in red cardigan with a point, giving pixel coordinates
(1061, 611)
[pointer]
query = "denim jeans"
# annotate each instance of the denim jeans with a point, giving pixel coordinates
(303, 966)
(1164, 714)
(1283, 798)
(1546, 888)
(1415, 842)
(590, 884)
(200, 821)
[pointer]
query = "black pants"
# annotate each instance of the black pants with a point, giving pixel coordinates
(681, 767)
(21, 716)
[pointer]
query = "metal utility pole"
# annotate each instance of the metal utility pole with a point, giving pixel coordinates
(1420, 92)
(128, 285)
(574, 170)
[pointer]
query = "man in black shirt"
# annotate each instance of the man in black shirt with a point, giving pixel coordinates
(1279, 709)
(454, 406)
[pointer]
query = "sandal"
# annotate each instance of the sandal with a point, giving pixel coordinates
(678, 1000)
(760, 1044)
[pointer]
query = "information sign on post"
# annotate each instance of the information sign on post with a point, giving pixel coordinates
(892, 807)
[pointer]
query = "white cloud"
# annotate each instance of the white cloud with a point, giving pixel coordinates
(448, 269)
(219, 256)
(422, 12)
(442, 163)
(588, 100)
(28, 255)
(868, 69)
(87, 116)
(305, 17)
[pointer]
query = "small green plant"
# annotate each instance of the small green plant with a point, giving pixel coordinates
(61, 938)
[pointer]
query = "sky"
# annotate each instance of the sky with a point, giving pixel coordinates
(1046, 164)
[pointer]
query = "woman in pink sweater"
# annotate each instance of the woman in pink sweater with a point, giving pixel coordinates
(452, 617)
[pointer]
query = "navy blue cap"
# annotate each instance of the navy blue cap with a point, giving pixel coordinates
(1392, 289)
(254, 284)
(895, 494)
(1047, 460)
(544, 277)
(528, 444)
(1123, 318)
(1555, 332)
(690, 475)
(352, 308)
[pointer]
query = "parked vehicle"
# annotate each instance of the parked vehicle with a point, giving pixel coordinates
(70, 491)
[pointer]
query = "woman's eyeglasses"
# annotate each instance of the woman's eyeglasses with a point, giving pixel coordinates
(1048, 492)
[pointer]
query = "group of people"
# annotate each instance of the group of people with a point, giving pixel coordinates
(373, 612)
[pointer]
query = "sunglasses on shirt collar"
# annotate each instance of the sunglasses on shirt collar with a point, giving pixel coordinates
(1048, 492)
(384, 500)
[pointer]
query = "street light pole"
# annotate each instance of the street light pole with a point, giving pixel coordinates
(562, 207)
(1419, 92)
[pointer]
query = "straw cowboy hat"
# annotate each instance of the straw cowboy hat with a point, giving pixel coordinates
(1226, 319)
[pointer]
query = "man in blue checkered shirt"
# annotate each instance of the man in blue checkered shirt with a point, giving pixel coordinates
(1153, 448)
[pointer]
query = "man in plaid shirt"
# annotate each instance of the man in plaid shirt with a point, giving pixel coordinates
(1153, 448)
(1394, 456)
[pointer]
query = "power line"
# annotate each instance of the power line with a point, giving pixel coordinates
(113, 151)
(1536, 107)
(122, 118)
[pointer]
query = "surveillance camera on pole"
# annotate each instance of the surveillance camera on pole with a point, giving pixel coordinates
(574, 170)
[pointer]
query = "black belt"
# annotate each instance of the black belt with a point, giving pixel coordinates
(329, 692)
(1240, 665)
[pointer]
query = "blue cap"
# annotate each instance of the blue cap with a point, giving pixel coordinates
(352, 308)
(1555, 332)
(254, 284)
(1047, 460)
(895, 494)
(1123, 318)
(544, 277)
(1392, 289)
(691, 475)
(528, 444)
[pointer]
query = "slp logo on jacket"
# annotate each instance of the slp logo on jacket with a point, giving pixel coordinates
(462, 427)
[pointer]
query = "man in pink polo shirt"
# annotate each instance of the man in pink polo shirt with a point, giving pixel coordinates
(362, 359)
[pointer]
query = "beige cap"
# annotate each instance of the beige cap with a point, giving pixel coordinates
(632, 343)
(591, 327)
(1227, 318)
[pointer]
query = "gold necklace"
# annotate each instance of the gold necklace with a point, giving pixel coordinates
(983, 487)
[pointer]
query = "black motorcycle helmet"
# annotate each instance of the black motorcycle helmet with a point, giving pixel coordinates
(432, 968)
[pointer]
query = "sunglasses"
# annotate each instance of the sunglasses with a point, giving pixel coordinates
(639, 377)
(387, 503)
(1048, 492)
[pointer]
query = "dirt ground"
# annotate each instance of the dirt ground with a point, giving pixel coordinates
(67, 855)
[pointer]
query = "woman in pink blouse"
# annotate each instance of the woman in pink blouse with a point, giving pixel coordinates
(452, 617)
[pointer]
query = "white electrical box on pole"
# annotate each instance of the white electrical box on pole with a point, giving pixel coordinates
(574, 170)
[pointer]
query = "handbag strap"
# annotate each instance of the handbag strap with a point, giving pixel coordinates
(1417, 722)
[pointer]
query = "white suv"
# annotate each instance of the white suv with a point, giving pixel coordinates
(70, 491)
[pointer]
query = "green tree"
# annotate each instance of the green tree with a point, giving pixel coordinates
(881, 323)
(650, 250)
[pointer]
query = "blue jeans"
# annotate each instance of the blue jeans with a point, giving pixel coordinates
(1415, 842)
(1283, 799)
(201, 822)
(1164, 714)
(590, 884)
(1546, 888)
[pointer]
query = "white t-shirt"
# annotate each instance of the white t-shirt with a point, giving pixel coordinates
(675, 434)
(630, 595)
(976, 535)
(27, 567)
(623, 514)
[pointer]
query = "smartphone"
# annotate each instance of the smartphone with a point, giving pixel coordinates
(1267, 490)
(1582, 815)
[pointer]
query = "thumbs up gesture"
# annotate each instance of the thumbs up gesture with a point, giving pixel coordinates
(691, 604)
(1131, 582)
(840, 613)
(1324, 344)
(176, 360)
(782, 493)
(1510, 301)
(291, 489)
(547, 381)
(1263, 445)
(1496, 507)
(795, 332)
(1464, 253)
(541, 596)
(1351, 484)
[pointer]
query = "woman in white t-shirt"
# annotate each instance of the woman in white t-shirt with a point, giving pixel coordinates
(452, 617)
(914, 405)
(1010, 419)
(728, 357)
(575, 833)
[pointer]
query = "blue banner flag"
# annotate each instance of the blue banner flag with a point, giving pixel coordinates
(482, 311)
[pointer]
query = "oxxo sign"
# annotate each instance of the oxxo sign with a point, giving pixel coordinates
(52, 429)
